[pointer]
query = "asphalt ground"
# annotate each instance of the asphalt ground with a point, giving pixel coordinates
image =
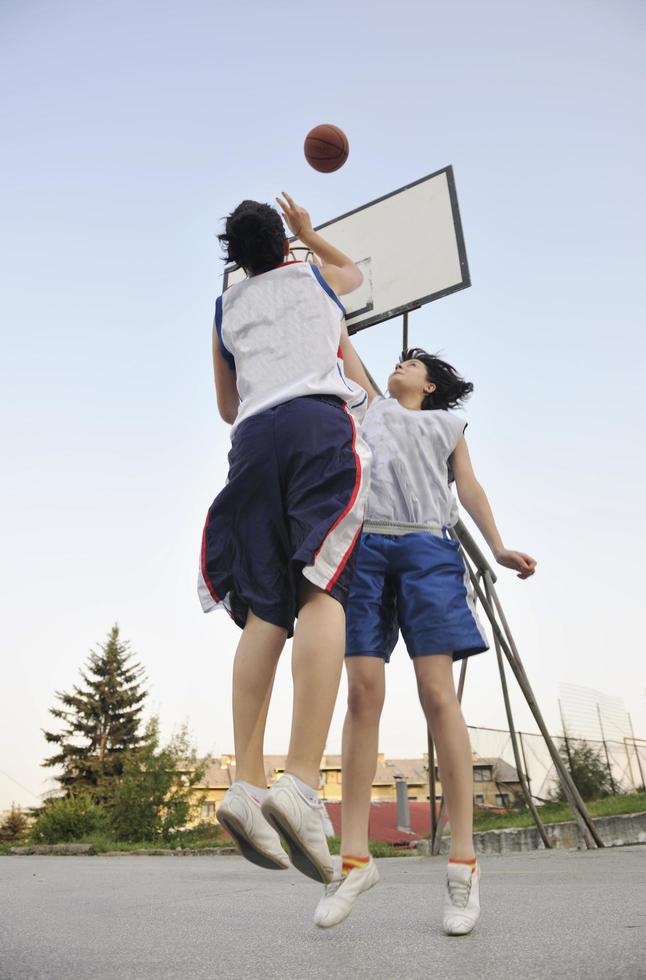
(569, 914)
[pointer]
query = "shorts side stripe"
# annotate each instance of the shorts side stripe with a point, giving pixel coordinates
(336, 548)
(207, 594)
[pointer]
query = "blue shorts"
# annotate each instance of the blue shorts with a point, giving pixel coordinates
(417, 583)
(292, 506)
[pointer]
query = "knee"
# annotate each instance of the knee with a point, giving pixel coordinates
(436, 697)
(365, 700)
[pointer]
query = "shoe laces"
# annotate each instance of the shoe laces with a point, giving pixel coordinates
(459, 892)
(333, 887)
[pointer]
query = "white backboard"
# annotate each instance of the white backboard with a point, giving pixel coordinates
(408, 244)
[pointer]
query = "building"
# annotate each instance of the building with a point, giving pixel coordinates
(495, 782)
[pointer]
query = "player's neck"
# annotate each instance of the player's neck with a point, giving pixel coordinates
(410, 402)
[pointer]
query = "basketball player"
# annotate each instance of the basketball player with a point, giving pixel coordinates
(280, 539)
(411, 576)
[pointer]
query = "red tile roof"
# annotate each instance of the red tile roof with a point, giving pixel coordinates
(383, 822)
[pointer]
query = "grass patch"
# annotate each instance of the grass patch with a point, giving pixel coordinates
(195, 841)
(559, 812)
(5, 845)
(377, 848)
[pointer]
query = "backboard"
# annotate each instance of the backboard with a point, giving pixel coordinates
(408, 244)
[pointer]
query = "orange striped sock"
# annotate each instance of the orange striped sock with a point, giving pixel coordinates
(349, 862)
(470, 861)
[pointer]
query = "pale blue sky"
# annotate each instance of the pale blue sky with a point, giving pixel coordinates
(130, 129)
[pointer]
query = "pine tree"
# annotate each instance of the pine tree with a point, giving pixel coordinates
(101, 720)
(14, 824)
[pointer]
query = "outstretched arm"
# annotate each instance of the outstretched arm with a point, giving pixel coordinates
(352, 366)
(225, 383)
(337, 268)
(475, 502)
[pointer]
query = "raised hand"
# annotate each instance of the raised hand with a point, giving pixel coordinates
(296, 218)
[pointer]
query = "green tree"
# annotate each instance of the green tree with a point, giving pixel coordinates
(14, 824)
(588, 770)
(102, 721)
(154, 797)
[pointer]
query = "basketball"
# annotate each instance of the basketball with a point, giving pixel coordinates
(326, 148)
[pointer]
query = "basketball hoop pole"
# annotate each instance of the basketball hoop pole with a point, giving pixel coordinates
(504, 643)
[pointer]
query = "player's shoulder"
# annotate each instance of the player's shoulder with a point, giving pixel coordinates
(378, 404)
(453, 423)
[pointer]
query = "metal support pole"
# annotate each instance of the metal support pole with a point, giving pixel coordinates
(432, 796)
(512, 730)
(511, 652)
(371, 379)
(605, 749)
(630, 765)
(639, 761)
(405, 333)
(522, 752)
(582, 817)
(568, 751)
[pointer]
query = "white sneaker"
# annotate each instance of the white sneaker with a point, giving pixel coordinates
(240, 814)
(301, 823)
(462, 902)
(341, 893)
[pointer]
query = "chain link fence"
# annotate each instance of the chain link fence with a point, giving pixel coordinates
(624, 759)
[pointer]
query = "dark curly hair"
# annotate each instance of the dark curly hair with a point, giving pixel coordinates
(450, 389)
(254, 237)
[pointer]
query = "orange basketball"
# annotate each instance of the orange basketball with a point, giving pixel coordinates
(326, 148)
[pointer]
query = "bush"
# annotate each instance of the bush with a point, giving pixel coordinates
(152, 800)
(68, 818)
(588, 770)
(13, 826)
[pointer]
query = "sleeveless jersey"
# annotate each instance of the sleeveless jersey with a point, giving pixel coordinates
(280, 332)
(410, 465)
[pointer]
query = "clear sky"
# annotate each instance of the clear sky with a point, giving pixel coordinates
(129, 130)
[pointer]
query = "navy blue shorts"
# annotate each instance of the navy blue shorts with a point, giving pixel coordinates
(417, 583)
(293, 505)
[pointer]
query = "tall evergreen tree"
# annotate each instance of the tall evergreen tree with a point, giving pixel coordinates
(102, 720)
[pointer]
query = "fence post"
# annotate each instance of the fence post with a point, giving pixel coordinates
(605, 749)
(639, 761)
(566, 739)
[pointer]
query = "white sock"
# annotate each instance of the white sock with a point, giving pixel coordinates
(308, 792)
(257, 793)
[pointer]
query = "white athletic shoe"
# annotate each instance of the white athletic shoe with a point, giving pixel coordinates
(462, 902)
(301, 823)
(341, 894)
(240, 814)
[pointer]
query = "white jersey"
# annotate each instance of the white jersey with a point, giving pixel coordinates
(410, 465)
(281, 331)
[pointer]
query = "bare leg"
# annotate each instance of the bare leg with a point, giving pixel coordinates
(444, 717)
(254, 669)
(317, 659)
(366, 689)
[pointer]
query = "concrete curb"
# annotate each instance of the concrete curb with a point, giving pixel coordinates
(88, 850)
(67, 850)
(617, 831)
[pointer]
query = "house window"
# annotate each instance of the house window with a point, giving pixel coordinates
(208, 811)
(502, 799)
(482, 774)
(478, 799)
